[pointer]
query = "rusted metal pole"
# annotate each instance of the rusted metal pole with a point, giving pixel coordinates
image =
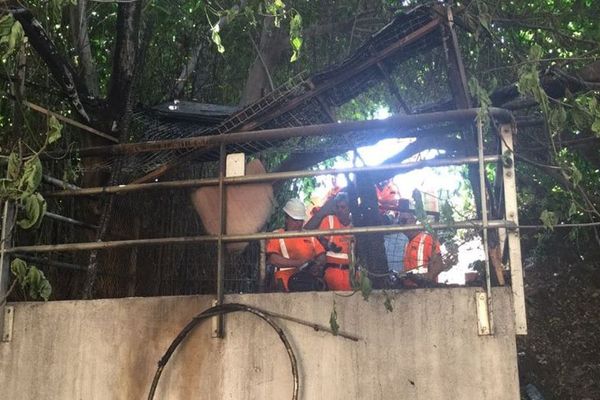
(8, 221)
(51, 263)
(222, 232)
(475, 224)
(270, 177)
(58, 183)
(70, 121)
(397, 122)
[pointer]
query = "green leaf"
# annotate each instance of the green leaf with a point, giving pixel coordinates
(14, 166)
(32, 175)
(216, 38)
(536, 53)
(6, 23)
(366, 287)
(19, 268)
(558, 117)
(13, 39)
(572, 209)
(39, 287)
(54, 130)
(34, 207)
(333, 324)
(596, 127)
(549, 219)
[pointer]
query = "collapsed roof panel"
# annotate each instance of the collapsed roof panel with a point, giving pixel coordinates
(302, 101)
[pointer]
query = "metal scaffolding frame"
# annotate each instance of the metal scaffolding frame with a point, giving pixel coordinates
(466, 117)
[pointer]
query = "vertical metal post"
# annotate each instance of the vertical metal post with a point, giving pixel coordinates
(262, 266)
(220, 246)
(514, 241)
(8, 219)
(484, 220)
(133, 256)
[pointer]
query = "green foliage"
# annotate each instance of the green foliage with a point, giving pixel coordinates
(296, 36)
(11, 35)
(366, 287)
(31, 280)
(549, 219)
(216, 38)
(54, 130)
(23, 178)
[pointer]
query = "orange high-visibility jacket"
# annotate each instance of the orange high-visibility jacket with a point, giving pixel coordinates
(295, 248)
(292, 248)
(418, 252)
(342, 241)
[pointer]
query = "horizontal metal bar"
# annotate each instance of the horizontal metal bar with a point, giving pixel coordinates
(476, 224)
(398, 122)
(58, 183)
(70, 121)
(190, 183)
(68, 220)
(50, 263)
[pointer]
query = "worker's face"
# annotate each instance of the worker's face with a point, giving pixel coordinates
(405, 218)
(292, 224)
(342, 211)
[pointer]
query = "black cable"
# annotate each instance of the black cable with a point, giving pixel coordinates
(221, 310)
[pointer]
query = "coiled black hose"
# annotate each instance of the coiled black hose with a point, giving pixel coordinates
(221, 310)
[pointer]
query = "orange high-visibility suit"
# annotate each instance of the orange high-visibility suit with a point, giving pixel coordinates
(418, 252)
(337, 274)
(307, 248)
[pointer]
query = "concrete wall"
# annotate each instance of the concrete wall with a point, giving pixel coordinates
(427, 348)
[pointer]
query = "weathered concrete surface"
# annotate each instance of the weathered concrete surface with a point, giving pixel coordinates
(428, 348)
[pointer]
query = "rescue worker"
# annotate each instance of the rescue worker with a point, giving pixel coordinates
(337, 267)
(288, 254)
(395, 243)
(422, 252)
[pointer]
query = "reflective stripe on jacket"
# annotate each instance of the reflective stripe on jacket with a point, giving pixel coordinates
(418, 252)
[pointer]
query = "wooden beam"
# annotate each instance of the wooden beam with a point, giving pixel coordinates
(70, 121)
(514, 241)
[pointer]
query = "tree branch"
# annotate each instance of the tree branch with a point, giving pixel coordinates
(61, 70)
(124, 62)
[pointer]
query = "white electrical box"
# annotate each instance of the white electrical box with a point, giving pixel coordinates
(235, 165)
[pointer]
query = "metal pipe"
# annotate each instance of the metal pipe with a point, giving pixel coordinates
(70, 121)
(222, 232)
(68, 220)
(8, 223)
(399, 122)
(58, 183)
(484, 219)
(475, 224)
(191, 183)
(50, 263)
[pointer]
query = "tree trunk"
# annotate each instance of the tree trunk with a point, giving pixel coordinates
(81, 41)
(273, 42)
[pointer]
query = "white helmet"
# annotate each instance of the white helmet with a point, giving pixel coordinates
(295, 209)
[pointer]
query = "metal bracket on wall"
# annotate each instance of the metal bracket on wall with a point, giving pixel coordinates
(216, 323)
(483, 317)
(7, 327)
